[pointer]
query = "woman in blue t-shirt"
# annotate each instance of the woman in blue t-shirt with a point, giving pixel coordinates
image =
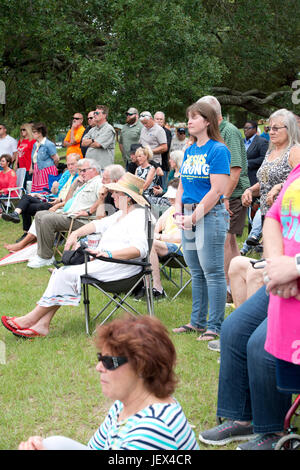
(200, 212)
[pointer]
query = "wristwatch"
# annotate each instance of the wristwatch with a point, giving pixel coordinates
(89, 214)
(297, 261)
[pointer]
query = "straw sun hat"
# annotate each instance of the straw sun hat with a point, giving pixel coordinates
(131, 185)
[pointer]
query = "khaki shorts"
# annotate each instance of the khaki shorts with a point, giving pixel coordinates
(237, 220)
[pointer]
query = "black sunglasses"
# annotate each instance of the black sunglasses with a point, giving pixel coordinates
(76, 118)
(112, 362)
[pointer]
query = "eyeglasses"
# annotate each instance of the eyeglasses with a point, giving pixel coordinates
(112, 362)
(248, 128)
(76, 118)
(274, 128)
(91, 117)
(83, 170)
(22, 130)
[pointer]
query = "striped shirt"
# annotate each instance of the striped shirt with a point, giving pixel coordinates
(158, 426)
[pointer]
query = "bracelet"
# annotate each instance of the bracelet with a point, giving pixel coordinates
(109, 253)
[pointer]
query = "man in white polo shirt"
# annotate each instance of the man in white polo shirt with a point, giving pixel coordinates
(7, 143)
(153, 135)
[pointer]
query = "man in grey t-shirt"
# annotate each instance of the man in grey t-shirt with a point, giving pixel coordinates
(153, 135)
(100, 139)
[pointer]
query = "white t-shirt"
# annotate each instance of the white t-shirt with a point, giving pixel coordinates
(8, 145)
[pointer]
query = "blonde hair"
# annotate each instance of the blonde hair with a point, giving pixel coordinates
(28, 128)
(177, 157)
(146, 151)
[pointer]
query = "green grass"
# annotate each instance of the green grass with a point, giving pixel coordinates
(50, 385)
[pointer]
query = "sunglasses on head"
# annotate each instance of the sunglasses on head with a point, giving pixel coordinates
(112, 362)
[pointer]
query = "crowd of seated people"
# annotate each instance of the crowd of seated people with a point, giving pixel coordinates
(86, 190)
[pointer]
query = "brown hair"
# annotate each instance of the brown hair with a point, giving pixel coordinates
(7, 157)
(40, 127)
(103, 108)
(145, 341)
(207, 112)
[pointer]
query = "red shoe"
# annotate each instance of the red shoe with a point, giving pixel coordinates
(9, 327)
(34, 334)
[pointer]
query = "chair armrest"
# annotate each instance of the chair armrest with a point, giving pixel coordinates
(116, 260)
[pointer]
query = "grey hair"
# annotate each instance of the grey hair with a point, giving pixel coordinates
(212, 100)
(92, 163)
(290, 121)
(115, 171)
(177, 157)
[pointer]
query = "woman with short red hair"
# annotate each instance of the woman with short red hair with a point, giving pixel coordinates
(136, 366)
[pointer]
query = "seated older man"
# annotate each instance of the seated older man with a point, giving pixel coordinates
(104, 207)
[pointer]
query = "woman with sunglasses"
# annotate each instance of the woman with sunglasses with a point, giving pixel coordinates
(123, 236)
(282, 156)
(25, 146)
(136, 367)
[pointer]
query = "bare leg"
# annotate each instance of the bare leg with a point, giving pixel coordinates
(238, 279)
(254, 280)
(159, 248)
(38, 319)
(28, 240)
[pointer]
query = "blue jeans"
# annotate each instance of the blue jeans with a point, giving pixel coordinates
(247, 380)
(256, 229)
(204, 254)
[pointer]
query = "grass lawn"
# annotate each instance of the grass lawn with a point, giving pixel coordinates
(50, 385)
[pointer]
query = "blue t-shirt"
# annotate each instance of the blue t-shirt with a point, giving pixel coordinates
(197, 166)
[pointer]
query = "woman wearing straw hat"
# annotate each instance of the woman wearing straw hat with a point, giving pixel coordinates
(123, 237)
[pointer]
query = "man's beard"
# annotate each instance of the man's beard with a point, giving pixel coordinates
(131, 120)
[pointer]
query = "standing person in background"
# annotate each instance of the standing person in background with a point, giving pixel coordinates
(130, 134)
(43, 160)
(8, 144)
(101, 139)
(153, 135)
(179, 140)
(256, 148)
(74, 135)
(160, 119)
(25, 146)
(91, 123)
(201, 214)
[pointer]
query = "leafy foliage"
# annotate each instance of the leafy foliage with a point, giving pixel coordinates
(57, 56)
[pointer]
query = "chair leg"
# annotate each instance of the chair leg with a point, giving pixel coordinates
(149, 295)
(86, 303)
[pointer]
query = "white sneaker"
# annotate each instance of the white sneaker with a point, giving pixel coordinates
(214, 345)
(38, 262)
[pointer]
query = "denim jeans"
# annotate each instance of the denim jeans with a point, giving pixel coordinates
(204, 254)
(247, 380)
(256, 230)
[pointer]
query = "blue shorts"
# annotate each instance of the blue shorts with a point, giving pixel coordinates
(172, 248)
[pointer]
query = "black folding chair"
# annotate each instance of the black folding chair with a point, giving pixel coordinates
(175, 261)
(119, 291)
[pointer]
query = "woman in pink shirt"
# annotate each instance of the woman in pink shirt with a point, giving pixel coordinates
(282, 277)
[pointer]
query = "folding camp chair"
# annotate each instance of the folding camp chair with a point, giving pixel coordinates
(119, 291)
(175, 261)
(19, 189)
(61, 237)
